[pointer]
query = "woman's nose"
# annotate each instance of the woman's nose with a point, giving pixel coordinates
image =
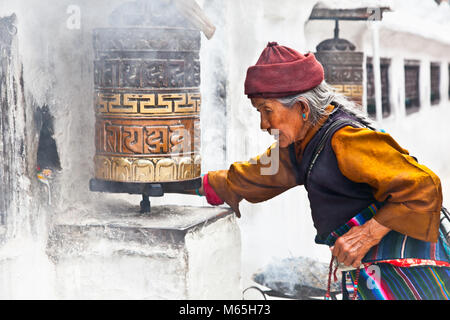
(264, 124)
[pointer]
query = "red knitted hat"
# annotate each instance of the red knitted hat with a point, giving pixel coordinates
(282, 71)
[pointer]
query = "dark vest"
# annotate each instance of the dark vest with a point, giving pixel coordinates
(333, 198)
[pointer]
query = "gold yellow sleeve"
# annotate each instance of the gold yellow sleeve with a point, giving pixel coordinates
(256, 180)
(412, 192)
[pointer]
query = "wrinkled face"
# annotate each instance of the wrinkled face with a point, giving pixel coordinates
(289, 121)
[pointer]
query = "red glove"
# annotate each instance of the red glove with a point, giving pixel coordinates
(211, 195)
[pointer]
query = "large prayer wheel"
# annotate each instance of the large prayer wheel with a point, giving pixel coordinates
(147, 104)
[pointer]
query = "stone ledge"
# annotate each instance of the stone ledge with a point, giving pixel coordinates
(176, 252)
(166, 226)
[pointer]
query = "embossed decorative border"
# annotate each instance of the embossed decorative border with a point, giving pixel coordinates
(349, 90)
(129, 169)
(148, 103)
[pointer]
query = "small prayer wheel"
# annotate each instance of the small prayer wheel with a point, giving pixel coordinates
(343, 66)
(344, 71)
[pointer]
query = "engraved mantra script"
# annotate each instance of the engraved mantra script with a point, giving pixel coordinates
(148, 74)
(135, 139)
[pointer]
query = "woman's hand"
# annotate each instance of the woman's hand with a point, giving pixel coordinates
(351, 247)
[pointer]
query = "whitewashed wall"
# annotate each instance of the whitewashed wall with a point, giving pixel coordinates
(57, 71)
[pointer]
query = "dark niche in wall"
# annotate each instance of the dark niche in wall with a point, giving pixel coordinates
(47, 153)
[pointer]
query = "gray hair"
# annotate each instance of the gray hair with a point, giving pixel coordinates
(320, 98)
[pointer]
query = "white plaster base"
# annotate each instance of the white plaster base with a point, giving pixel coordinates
(174, 253)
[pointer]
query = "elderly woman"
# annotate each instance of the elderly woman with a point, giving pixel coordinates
(375, 206)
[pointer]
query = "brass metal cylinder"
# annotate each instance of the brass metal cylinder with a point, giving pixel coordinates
(344, 71)
(147, 104)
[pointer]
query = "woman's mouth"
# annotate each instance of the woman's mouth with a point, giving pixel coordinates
(275, 132)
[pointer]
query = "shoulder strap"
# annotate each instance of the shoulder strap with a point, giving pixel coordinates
(323, 140)
(293, 158)
(445, 222)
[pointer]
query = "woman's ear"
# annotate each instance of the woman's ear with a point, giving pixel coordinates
(303, 108)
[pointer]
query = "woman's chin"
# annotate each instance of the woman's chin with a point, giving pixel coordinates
(283, 143)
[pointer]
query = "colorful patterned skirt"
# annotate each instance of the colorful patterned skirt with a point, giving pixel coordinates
(398, 268)
(384, 281)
